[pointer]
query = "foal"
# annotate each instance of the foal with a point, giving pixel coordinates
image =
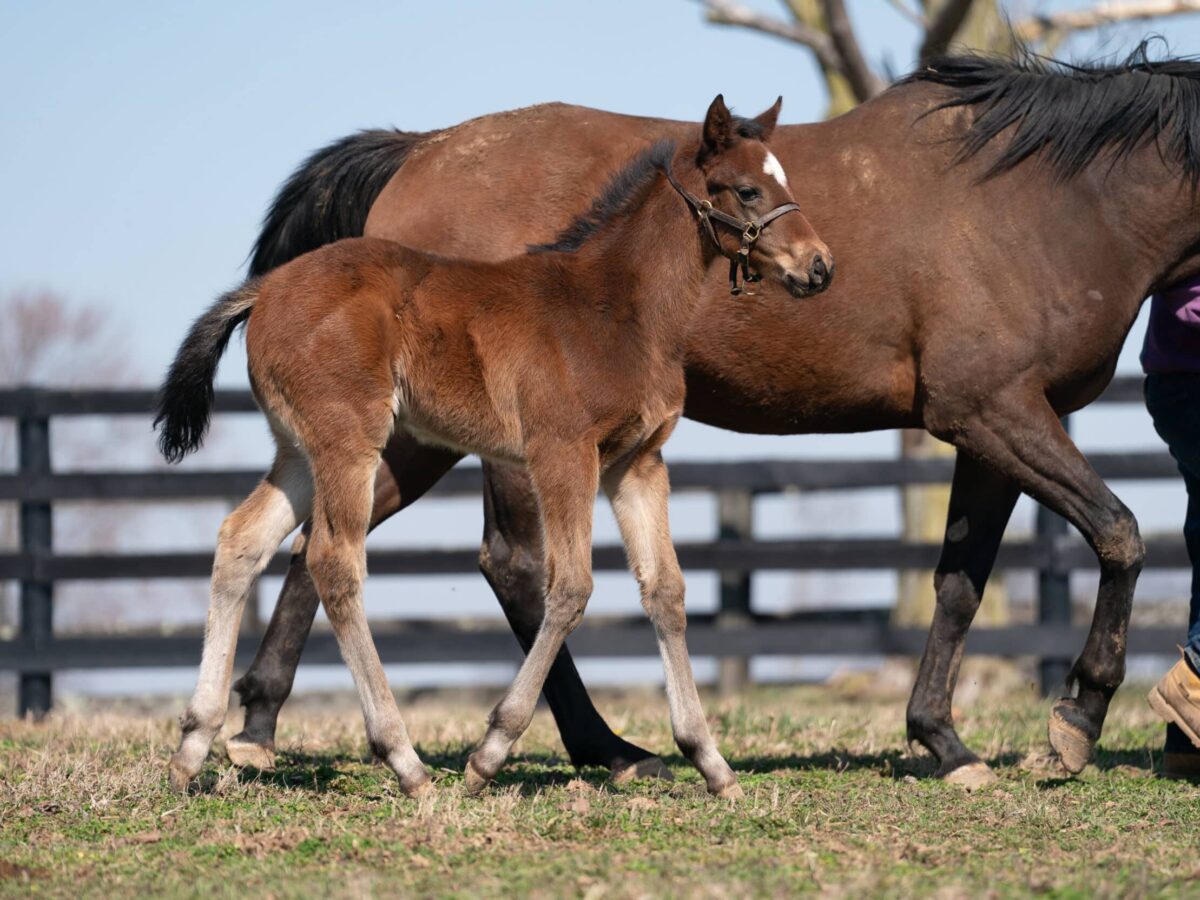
(567, 359)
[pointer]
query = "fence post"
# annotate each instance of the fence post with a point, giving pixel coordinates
(1054, 594)
(735, 522)
(37, 596)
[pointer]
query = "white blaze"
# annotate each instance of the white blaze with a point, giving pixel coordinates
(772, 167)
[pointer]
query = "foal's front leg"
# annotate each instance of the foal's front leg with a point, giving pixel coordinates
(639, 495)
(565, 478)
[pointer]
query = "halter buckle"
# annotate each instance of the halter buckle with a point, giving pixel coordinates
(752, 233)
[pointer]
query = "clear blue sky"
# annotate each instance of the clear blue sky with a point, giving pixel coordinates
(141, 141)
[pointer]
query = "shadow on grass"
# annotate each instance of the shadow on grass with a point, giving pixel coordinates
(532, 772)
(322, 773)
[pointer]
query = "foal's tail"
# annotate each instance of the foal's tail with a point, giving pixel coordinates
(328, 197)
(185, 401)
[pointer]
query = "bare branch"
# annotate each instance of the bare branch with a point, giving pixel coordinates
(723, 12)
(909, 13)
(1039, 27)
(863, 81)
(943, 27)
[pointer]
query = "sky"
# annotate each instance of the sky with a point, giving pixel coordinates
(141, 143)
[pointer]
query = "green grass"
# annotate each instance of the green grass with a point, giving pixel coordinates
(834, 805)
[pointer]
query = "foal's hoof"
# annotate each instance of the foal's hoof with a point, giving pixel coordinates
(418, 788)
(246, 754)
(179, 776)
(1070, 742)
(732, 791)
(475, 780)
(650, 767)
(971, 777)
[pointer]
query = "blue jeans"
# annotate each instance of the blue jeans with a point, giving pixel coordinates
(1174, 404)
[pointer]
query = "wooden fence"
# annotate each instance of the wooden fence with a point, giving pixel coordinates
(734, 634)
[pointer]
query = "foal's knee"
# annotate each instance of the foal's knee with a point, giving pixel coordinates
(337, 569)
(566, 600)
(663, 600)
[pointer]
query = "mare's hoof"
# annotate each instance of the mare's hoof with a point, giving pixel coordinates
(650, 767)
(1071, 743)
(971, 777)
(732, 791)
(246, 754)
(475, 780)
(179, 777)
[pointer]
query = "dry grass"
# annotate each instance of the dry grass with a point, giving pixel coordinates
(834, 806)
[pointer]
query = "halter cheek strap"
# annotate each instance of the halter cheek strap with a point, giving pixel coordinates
(751, 230)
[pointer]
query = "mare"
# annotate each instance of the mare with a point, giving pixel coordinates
(998, 224)
(567, 361)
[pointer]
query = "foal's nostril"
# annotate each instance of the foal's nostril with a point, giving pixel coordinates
(818, 272)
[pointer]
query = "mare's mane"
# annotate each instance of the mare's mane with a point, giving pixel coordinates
(1067, 114)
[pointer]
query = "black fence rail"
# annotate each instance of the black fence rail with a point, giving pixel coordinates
(734, 634)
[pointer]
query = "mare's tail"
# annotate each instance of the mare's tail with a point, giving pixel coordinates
(329, 196)
(186, 399)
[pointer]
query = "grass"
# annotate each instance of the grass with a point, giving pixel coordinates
(835, 806)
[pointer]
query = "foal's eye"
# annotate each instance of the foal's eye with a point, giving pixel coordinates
(748, 194)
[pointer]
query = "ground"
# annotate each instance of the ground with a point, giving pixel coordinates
(835, 805)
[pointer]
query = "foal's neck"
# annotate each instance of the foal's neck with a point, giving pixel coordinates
(651, 261)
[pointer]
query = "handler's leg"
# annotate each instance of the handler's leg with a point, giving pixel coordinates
(512, 560)
(981, 502)
(1172, 401)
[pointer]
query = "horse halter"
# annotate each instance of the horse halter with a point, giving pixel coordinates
(751, 230)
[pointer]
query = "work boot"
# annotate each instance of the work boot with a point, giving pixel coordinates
(1176, 699)
(1180, 760)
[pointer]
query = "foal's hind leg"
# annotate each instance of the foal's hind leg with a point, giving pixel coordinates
(1021, 436)
(408, 469)
(565, 477)
(337, 562)
(639, 497)
(981, 502)
(248, 539)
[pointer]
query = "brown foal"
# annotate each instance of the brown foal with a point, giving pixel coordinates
(567, 360)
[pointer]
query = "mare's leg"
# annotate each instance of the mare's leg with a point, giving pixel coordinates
(513, 562)
(337, 563)
(408, 469)
(248, 539)
(639, 497)
(981, 502)
(565, 478)
(1020, 435)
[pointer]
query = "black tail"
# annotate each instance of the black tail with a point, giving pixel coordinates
(185, 401)
(329, 196)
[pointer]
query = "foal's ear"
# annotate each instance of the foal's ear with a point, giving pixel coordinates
(718, 125)
(768, 119)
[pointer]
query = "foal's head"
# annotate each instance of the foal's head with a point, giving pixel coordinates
(743, 179)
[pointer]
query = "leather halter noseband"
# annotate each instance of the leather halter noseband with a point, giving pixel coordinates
(751, 230)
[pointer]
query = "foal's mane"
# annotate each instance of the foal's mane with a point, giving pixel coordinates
(1069, 114)
(625, 192)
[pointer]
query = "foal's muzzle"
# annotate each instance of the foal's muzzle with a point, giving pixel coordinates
(814, 281)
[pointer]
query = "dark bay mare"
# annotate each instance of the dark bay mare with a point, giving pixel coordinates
(997, 225)
(566, 361)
